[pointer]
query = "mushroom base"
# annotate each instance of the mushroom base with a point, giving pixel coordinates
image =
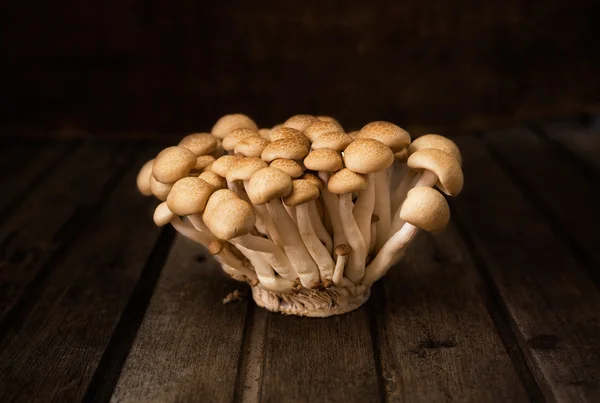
(313, 303)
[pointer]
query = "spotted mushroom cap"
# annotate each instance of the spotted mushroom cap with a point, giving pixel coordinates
(388, 133)
(231, 219)
(143, 178)
(425, 208)
(342, 250)
(216, 181)
(222, 164)
(329, 119)
(290, 167)
(319, 128)
(347, 181)
(265, 133)
(244, 168)
(160, 190)
(218, 197)
(285, 148)
(436, 141)
(314, 179)
(300, 122)
(267, 184)
(199, 143)
(324, 159)
(237, 135)
(189, 196)
(173, 163)
(283, 132)
(251, 146)
(444, 165)
(202, 162)
(231, 122)
(302, 192)
(337, 141)
(366, 156)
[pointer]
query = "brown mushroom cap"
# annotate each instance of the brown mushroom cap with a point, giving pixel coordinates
(189, 196)
(346, 181)
(436, 141)
(203, 161)
(401, 156)
(388, 133)
(290, 167)
(285, 148)
(329, 119)
(237, 135)
(251, 146)
(216, 181)
(199, 143)
(244, 168)
(366, 156)
(173, 163)
(283, 132)
(324, 159)
(342, 250)
(160, 190)
(444, 165)
(230, 219)
(314, 179)
(231, 122)
(319, 128)
(302, 191)
(162, 215)
(300, 122)
(224, 163)
(143, 178)
(354, 134)
(215, 247)
(265, 133)
(267, 184)
(337, 141)
(425, 208)
(218, 197)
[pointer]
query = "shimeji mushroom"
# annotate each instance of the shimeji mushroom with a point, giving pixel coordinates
(232, 220)
(160, 190)
(285, 148)
(374, 220)
(436, 141)
(222, 165)
(216, 181)
(315, 217)
(300, 122)
(222, 253)
(342, 252)
(202, 161)
(337, 141)
(304, 192)
(268, 185)
(290, 167)
(283, 132)
(199, 143)
(329, 119)
(437, 168)
(188, 198)
(251, 146)
(143, 178)
(235, 136)
(359, 157)
(344, 183)
(163, 216)
(423, 208)
(231, 122)
(265, 133)
(325, 161)
(172, 164)
(318, 128)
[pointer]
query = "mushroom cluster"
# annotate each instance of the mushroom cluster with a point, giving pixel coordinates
(309, 215)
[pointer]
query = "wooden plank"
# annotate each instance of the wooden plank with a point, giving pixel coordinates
(319, 360)
(584, 142)
(437, 339)
(53, 353)
(50, 216)
(189, 344)
(556, 186)
(553, 306)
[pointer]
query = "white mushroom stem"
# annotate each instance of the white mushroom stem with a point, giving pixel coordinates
(198, 223)
(355, 269)
(388, 253)
(302, 262)
(363, 209)
(399, 196)
(338, 274)
(427, 179)
(291, 212)
(316, 249)
(373, 237)
(235, 274)
(271, 252)
(332, 206)
(319, 227)
(263, 214)
(226, 258)
(188, 231)
(265, 273)
(382, 207)
(238, 188)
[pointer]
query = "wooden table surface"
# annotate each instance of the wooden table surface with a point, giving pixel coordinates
(97, 304)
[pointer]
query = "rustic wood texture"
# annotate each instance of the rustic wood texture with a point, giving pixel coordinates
(437, 339)
(583, 142)
(189, 344)
(553, 305)
(54, 352)
(160, 65)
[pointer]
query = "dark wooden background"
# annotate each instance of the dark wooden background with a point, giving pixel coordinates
(155, 66)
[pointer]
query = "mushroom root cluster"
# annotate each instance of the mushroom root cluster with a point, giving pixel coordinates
(309, 215)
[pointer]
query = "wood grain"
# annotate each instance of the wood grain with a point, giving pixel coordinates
(53, 353)
(189, 344)
(553, 306)
(437, 340)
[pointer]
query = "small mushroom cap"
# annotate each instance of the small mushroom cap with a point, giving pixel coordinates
(337, 141)
(215, 247)
(244, 168)
(289, 133)
(436, 141)
(218, 197)
(203, 161)
(199, 143)
(329, 119)
(366, 156)
(285, 148)
(216, 181)
(265, 133)
(224, 163)
(346, 181)
(162, 215)
(319, 128)
(173, 163)
(302, 192)
(388, 133)
(300, 122)
(354, 134)
(324, 159)
(425, 208)
(189, 196)
(143, 178)
(314, 179)
(267, 184)
(237, 135)
(342, 250)
(231, 122)
(290, 167)
(160, 190)
(401, 156)
(230, 219)
(444, 165)
(251, 146)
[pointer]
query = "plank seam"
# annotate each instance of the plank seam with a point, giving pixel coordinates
(249, 323)
(377, 304)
